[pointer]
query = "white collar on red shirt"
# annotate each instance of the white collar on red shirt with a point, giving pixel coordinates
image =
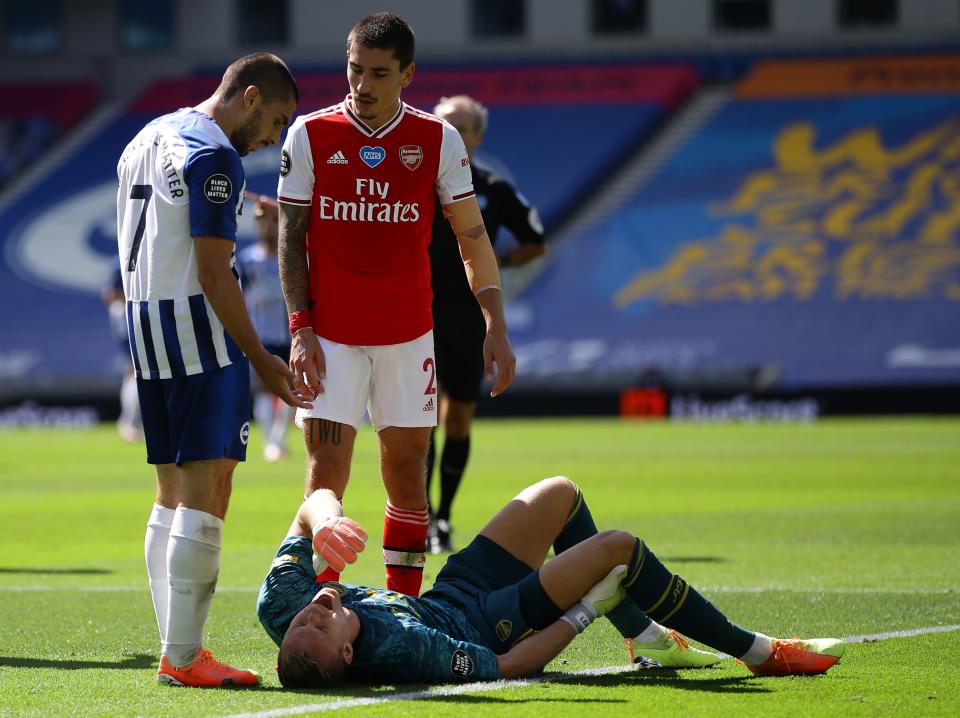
(362, 126)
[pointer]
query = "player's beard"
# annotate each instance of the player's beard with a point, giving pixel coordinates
(365, 112)
(242, 137)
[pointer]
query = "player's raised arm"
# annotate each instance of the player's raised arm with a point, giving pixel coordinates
(480, 264)
(337, 540)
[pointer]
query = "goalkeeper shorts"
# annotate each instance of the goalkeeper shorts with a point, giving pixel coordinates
(483, 581)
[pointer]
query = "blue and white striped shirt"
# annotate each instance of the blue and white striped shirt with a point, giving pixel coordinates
(179, 178)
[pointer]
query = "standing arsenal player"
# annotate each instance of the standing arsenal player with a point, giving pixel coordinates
(358, 186)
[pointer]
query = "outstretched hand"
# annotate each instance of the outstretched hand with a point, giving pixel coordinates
(280, 381)
(337, 541)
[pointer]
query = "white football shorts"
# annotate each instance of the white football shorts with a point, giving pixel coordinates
(396, 383)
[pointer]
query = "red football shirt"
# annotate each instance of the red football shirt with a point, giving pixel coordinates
(372, 195)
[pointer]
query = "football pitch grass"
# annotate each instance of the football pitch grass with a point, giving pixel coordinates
(840, 528)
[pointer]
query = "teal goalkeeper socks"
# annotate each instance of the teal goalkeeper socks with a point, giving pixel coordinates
(626, 617)
(670, 601)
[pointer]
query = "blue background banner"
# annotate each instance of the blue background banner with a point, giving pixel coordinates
(815, 239)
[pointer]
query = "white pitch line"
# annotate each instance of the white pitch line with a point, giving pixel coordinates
(92, 588)
(490, 686)
(441, 692)
(909, 633)
(107, 589)
(823, 589)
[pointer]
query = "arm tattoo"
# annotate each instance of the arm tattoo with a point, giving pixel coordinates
(292, 251)
(474, 232)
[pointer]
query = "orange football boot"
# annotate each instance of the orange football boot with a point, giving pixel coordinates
(205, 671)
(801, 657)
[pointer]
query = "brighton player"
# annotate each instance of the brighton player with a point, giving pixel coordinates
(259, 273)
(180, 189)
(358, 185)
(496, 609)
(458, 324)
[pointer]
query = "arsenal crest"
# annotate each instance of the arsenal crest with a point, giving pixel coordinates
(411, 156)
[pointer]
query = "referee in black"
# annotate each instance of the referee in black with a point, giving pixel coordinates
(458, 326)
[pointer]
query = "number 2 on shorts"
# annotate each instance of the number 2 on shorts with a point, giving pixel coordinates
(429, 366)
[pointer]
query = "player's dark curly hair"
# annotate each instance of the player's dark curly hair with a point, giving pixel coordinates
(298, 669)
(266, 71)
(385, 31)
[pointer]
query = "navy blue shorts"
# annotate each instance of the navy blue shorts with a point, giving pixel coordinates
(198, 417)
(482, 580)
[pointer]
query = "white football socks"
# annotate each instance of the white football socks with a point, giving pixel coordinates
(759, 652)
(155, 553)
(193, 563)
(653, 632)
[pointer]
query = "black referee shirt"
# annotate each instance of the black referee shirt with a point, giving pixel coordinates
(501, 206)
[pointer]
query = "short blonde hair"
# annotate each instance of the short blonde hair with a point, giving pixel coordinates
(480, 112)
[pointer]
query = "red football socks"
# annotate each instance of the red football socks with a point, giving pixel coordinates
(404, 548)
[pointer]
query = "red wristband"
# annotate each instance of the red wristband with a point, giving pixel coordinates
(300, 320)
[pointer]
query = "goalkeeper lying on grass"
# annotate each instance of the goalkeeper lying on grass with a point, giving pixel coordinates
(496, 609)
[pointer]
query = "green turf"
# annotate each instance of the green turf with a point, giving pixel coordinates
(839, 528)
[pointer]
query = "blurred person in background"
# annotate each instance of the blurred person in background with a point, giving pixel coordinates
(260, 276)
(129, 425)
(458, 326)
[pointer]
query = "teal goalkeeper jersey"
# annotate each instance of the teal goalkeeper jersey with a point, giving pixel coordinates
(402, 638)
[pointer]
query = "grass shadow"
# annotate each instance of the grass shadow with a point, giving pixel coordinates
(55, 571)
(466, 698)
(137, 661)
(651, 676)
(670, 678)
(693, 559)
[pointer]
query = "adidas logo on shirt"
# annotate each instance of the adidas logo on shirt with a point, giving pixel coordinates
(429, 405)
(337, 158)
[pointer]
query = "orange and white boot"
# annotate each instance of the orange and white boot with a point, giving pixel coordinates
(205, 671)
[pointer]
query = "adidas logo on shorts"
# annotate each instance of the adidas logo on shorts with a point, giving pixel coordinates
(337, 158)
(429, 405)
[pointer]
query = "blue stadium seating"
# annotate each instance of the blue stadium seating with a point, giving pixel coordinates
(813, 238)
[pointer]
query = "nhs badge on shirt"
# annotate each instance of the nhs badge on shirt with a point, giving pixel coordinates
(372, 156)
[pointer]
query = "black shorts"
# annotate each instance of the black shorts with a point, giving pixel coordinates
(458, 334)
(280, 350)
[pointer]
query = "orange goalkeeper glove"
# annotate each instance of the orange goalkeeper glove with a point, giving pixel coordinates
(336, 542)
